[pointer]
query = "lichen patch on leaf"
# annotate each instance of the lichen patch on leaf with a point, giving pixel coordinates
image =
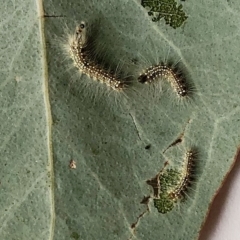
(169, 180)
(172, 13)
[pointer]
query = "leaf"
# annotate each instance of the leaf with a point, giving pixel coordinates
(116, 147)
(26, 209)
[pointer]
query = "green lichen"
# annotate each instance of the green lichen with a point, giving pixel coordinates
(164, 204)
(169, 181)
(167, 9)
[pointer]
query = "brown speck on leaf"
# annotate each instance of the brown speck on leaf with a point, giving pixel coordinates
(72, 164)
(18, 79)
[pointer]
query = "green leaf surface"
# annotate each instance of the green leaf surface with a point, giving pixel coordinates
(117, 147)
(26, 209)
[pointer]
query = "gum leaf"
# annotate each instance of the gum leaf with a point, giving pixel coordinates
(75, 120)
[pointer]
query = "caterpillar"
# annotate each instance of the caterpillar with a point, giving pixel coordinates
(79, 53)
(174, 183)
(169, 72)
(186, 175)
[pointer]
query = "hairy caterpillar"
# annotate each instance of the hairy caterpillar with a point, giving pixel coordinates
(80, 55)
(172, 74)
(174, 183)
(156, 68)
(163, 71)
(186, 175)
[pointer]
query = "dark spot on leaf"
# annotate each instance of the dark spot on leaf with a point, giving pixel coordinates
(148, 146)
(75, 235)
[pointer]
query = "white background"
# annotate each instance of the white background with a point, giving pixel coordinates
(223, 221)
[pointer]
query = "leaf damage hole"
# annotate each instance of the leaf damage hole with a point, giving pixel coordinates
(179, 139)
(155, 184)
(146, 200)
